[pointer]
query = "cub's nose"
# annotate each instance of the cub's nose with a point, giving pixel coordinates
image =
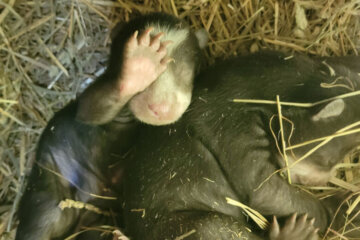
(160, 110)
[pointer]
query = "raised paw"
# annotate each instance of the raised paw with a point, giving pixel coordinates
(295, 228)
(144, 60)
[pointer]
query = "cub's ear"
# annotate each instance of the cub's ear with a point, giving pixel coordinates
(332, 109)
(202, 37)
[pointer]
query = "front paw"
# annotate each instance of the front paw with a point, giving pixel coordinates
(145, 58)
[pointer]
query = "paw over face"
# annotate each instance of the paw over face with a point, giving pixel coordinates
(160, 106)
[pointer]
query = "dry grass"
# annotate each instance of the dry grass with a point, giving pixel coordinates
(49, 48)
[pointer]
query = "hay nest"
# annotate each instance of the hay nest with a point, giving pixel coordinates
(49, 49)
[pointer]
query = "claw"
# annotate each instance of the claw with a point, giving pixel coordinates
(136, 33)
(292, 221)
(167, 60)
(144, 39)
(155, 42)
(162, 49)
(132, 43)
(274, 229)
(303, 218)
(314, 235)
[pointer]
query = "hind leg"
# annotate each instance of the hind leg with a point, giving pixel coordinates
(39, 214)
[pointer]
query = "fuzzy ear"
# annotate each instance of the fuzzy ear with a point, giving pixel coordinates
(202, 37)
(332, 109)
